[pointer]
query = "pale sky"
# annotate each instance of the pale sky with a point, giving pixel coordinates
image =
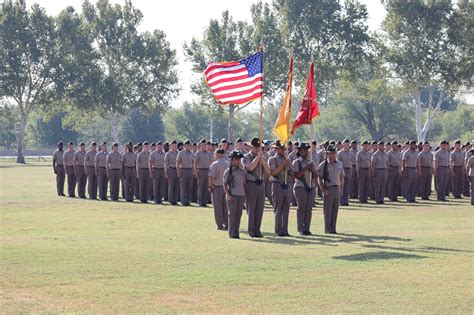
(182, 20)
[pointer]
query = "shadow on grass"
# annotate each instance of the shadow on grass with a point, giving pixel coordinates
(378, 256)
(424, 249)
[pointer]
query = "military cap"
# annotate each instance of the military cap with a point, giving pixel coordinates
(394, 142)
(139, 144)
(130, 144)
(215, 144)
(413, 142)
(153, 144)
(187, 142)
(303, 146)
(159, 143)
(135, 146)
(202, 141)
(443, 142)
(224, 140)
(331, 148)
(326, 142)
(290, 143)
(457, 142)
(314, 142)
(209, 143)
(145, 143)
(194, 144)
(374, 142)
(354, 142)
(180, 143)
(333, 142)
(346, 141)
(231, 143)
(239, 140)
(174, 142)
(60, 143)
(220, 151)
(381, 143)
(389, 143)
(82, 144)
(420, 143)
(94, 143)
(115, 144)
(236, 155)
(365, 142)
(70, 143)
(297, 144)
(407, 142)
(278, 144)
(255, 142)
(267, 142)
(339, 142)
(426, 142)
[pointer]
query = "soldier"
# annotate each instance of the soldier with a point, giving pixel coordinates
(457, 170)
(373, 149)
(363, 171)
(255, 165)
(171, 175)
(89, 167)
(293, 155)
(79, 170)
(394, 158)
(215, 186)
(137, 149)
(338, 146)
(354, 184)
(304, 189)
(68, 161)
(157, 172)
(425, 170)
(331, 182)
(100, 163)
(408, 172)
(379, 164)
(441, 170)
(166, 148)
(465, 150)
(58, 168)
(143, 173)
(224, 145)
(279, 168)
(185, 172)
(202, 161)
(129, 162)
(234, 188)
(470, 173)
(122, 179)
(345, 156)
(113, 167)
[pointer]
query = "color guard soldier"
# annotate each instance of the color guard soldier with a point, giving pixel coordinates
(470, 173)
(235, 190)
(331, 182)
(171, 175)
(394, 159)
(58, 168)
(166, 148)
(363, 160)
(441, 170)
(89, 167)
(354, 183)
(122, 179)
(79, 170)
(100, 163)
(457, 170)
(113, 167)
(129, 162)
(293, 155)
(185, 172)
(210, 149)
(157, 172)
(379, 164)
(68, 161)
(143, 173)
(408, 172)
(305, 191)
(425, 170)
(202, 161)
(215, 186)
(255, 165)
(279, 168)
(465, 150)
(345, 156)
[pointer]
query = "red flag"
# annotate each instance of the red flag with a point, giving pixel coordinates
(309, 106)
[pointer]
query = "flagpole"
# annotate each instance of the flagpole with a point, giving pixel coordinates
(288, 125)
(311, 135)
(261, 114)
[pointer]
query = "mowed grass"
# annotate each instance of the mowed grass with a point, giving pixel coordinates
(69, 255)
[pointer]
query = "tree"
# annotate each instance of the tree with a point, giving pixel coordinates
(49, 130)
(429, 47)
(8, 119)
(143, 126)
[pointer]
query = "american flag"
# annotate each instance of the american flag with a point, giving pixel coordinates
(236, 82)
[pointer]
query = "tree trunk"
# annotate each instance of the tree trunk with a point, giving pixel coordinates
(418, 116)
(211, 131)
(20, 140)
(230, 124)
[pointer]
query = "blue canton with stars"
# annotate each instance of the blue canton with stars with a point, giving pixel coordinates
(253, 63)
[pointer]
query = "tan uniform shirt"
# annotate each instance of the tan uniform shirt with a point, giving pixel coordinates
(157, 159)
(216, 171)
(256, 173)
(68, 158)
(185, 159)
(381, 159)
(142, 159)
(129, 159)
(410, 157)
(203, 159)
(394, 158)
(442, 157)
(297, 166)
(58, 156)
(470, 164)
(292, 156)
(363, 158)
(114, 160)
(238, 181)
(90, 158)
(170, 158)
(353, 156)
(79, 157)
(345, 157)
(425, 158)
(335, 171)
(275, 162)
(457, 157)
(101, 158)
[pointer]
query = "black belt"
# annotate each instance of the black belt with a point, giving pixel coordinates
(143, 168)
(79, 165)
(332, 186)
(457, 165)
(442, 166)
(426, 166)
(102, 166)
(185, 168)
(380, 169)
(115, 169)
(410, 167)
(203, 169)
(130, 166)
(397, 166)
(173, 168)
(348, 167)
(158, 168)
(363, 168)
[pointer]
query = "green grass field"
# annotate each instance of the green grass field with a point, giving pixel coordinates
(69, 255)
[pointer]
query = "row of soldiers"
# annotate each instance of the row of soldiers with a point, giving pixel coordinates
(294, 174)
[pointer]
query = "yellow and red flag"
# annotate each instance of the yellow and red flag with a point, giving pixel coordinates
(309, 106)
(282, 125)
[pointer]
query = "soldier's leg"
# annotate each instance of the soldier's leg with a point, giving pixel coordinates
(354, 183)
(182, 186)
(60, 180)
(171, 186)
(471, 189)
(308, 213)
(233, 214)
(285, 206)
(291, 183)
(335, 207)
(217, 196)
(161, 185)
(347, 186)
(260, 206)
(327, 206)
(251, 192)
(277, 196)
(301, 198)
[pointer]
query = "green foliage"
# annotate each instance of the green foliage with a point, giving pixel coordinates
(47, 131)
(143, 126)
(8, 119)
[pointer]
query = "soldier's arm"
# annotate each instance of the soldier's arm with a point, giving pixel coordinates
(74, 164)
(435, 167)
(96, 166)
(107, 160)
(166, 168)
(372, 166)
(54, 164)
(150, 168)
(266, 168)
(137, 167)
(178, 164)
(85, 164)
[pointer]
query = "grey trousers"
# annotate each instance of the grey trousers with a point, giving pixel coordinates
(158, 184)
(305, 201)
(410, 182)
(471, 178)
(81, 181)
(202, 183)
(347, 186)
(91, 182)
(60, 176)
(144, 184)
(255, 202)
(425, 182)
(331, 208)
(173, 186)
(291, 183)
(393, 183)
(364, 184)
(281, 207)
(186, 186)
(114, 183)
(137, 188)
(442, 182)
(380, 184)
(71, 181)
(235, 214)
(102, 181)
(130, 181)
(354, 183)
(457, 181)
(219, 204)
